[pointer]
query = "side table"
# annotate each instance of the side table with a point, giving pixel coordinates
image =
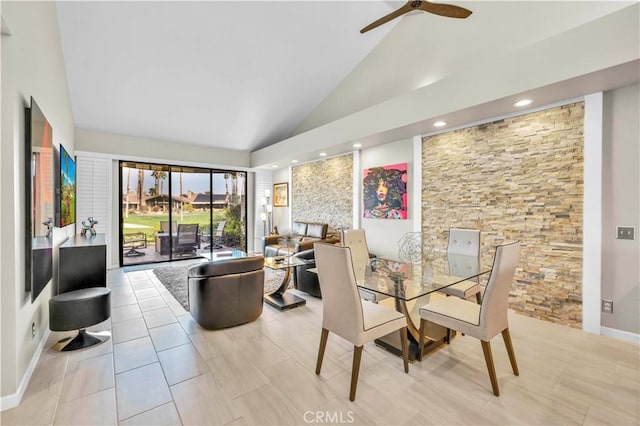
(280, 299)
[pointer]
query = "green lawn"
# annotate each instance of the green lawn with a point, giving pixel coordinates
(152, 221)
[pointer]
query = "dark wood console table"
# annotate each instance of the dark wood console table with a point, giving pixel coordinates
(82, 263)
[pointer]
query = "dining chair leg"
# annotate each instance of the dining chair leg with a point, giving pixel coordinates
(506, 336)
(488, 357)
(448, 336)
(478, 298)
(357, 355)
(323, 344)
(423, 325)
(405, 348)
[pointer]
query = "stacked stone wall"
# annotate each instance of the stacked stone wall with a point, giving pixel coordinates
(516, 179)
(322, 191)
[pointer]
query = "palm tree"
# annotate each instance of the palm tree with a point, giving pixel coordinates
(159, 176)
(140, 190)
(126, 208)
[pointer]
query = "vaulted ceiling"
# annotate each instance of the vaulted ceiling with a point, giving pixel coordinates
(247, 75)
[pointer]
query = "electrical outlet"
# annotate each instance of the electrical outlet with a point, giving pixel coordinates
(626, 232)
(607, 306)
(33, 330)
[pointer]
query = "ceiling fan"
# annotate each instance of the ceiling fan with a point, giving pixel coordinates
(447, 10)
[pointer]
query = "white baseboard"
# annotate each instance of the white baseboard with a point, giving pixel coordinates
(620, 334)
(13, 400)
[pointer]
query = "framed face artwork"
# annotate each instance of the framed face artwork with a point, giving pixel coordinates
(281, 194)
(384, 192)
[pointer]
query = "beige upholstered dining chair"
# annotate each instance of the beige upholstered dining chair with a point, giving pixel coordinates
(356, 240)
(348, 316)
(482, 321)
(465, 242)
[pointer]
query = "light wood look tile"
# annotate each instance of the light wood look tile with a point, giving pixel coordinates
(140, 390)
(133, 354)
(164, 415)
(95, 409)
(124, 299)
(87, 376)
(129, 330)
(264, 373)
(126, 312)
(168, 336)
(200, 401)
(181, 363)
(139, 285)
(159, 317)
(146, 293)
(236, 374)
(189, 325)
(267, 406)
(151, 303)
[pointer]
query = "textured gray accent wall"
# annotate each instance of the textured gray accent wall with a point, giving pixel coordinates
(322, 191)
(516, 179)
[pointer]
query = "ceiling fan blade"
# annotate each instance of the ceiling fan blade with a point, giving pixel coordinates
(404, 9)
(448, 10)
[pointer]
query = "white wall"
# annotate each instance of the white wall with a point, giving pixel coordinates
(621, 207)
(383, 234)
(32, 65)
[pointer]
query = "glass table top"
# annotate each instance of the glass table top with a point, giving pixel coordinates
(408, 281)
(283, 262)
(224, 254)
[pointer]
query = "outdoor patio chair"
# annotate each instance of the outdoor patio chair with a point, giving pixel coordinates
(187, 239)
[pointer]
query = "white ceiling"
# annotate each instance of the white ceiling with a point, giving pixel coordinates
(245, 75)
(239, 75)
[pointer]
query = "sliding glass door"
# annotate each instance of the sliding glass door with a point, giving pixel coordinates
(177, 212)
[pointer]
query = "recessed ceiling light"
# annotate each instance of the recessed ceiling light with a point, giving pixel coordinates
(439, 124)
(323, 154)
(357, 145)
(522, 103)
(274, 166)
(294, 161)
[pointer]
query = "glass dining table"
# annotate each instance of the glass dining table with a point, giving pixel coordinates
(409, 286)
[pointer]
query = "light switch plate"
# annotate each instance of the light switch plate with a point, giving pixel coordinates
(626, 232)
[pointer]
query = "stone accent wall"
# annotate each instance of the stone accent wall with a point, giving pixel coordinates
(322, 191)
(516, 179)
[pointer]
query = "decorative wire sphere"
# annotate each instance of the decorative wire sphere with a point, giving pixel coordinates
(411, 248)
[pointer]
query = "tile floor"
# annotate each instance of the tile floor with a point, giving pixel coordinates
(161, 368)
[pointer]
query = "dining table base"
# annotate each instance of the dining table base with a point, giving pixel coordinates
(389, 343)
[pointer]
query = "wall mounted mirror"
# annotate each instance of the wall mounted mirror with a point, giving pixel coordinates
(39, 200)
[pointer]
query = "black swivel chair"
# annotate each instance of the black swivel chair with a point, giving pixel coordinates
(77, 310)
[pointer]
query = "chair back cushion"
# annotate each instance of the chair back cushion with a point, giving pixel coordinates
(462, 265)
(464, 241)
(356, 241)
(317, 230)
(299, 228)
(493, 311)
(341, 306)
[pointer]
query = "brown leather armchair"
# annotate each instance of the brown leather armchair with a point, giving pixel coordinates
(226, 293)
